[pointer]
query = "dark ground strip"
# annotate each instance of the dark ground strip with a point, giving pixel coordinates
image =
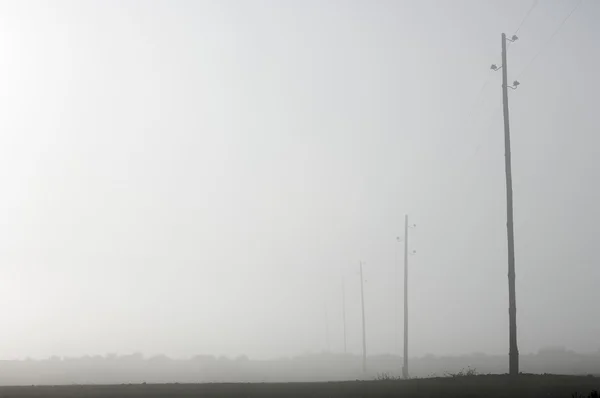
(526, 386)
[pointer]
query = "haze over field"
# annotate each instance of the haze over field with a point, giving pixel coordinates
(197, 177)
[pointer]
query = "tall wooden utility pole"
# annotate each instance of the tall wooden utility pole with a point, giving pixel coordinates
(364, 332)
(512, 302)
(344, 314)
(405, 367)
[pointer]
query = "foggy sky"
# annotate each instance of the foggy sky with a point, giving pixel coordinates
(197, 177)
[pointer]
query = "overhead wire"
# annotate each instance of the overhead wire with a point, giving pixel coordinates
(552, 36)
(542, 48)
(525, 18)
(492, 120)
(519, 182)
(468, 161)
(488, 128)
(548, 41)
(483, 138)
(480, 143)
(467, 120)
(478, 97)
(533, 5)
(521, 24)
(485, 84)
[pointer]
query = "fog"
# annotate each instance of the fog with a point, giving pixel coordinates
(198, 177)
(135, 368)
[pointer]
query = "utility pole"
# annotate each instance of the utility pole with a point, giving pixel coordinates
(344, 313)
(512, 301)
(327, 329)
(512, 306)
(405, 367)
(397, 296)
(406, 253)
(364, 332)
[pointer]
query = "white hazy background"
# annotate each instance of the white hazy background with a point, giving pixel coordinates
(197, 177)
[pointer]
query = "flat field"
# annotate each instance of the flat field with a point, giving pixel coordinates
(492, 386)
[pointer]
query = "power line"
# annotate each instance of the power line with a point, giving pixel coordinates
(556, 31)
(542, 48)
(478, 97)
(529, 180)
(485, 84)
(457, 180)
(480, 144)
(533, 5)
(466, 161)
(493, 120)
(482, 89)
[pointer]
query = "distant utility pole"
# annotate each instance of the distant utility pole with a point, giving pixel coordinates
(512, 301)
(405, 367)
(406, 227)
(397, 296)
(327, 328)
(364, 332)
(344, 313)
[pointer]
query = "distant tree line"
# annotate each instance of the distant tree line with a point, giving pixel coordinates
(135, 368)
